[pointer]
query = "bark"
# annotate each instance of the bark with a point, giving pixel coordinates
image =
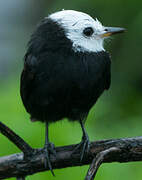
(113, 150)
(129, 149)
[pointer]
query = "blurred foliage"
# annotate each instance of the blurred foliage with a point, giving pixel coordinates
(117, 113)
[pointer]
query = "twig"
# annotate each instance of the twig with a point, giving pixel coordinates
(97, 161)
(15, 139)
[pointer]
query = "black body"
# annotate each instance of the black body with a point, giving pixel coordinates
(58, 82)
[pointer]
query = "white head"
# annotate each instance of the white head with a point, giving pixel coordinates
(86, 33)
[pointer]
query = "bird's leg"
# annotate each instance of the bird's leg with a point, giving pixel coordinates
(84, 144)
(85, 141)
(48, 149)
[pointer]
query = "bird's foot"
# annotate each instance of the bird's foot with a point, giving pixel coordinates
(48, 149)
(84, 146)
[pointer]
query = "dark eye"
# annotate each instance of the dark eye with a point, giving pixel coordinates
(88, 31)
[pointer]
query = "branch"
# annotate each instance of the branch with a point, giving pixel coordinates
(114, 150)
(17, 140)
(97, 161)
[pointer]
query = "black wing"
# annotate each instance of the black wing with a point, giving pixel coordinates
(27, 78)
(43, 81)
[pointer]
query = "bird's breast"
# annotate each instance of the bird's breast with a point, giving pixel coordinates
(85, 77)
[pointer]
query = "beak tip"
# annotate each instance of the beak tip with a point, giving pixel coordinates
(116, 30)
(109, 31)
(123, 30)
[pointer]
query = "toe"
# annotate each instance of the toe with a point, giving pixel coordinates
(47, 162)
(52, 149)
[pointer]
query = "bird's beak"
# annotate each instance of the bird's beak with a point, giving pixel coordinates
(112, 30)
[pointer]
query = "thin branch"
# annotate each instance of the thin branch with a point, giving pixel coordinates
(15, 139)
(97, 161)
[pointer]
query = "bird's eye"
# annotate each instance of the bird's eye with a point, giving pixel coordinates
(88, 31)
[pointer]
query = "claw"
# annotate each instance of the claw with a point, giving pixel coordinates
(52, 150)
(84, 146)
(49, 149)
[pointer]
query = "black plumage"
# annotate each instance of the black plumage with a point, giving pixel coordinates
(62, 77)
(56, 81)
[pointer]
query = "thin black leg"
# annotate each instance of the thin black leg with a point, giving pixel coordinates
(48, 149)
(83, 128)
(85, 143)
(46, 134)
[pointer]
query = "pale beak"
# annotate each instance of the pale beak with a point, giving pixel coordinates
(108, 31)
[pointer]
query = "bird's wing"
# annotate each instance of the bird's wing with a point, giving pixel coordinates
(41, 78)
(27, 77)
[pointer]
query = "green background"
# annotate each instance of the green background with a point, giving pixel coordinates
(118, 112)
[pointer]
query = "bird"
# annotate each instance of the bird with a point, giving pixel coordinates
(66, 69)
